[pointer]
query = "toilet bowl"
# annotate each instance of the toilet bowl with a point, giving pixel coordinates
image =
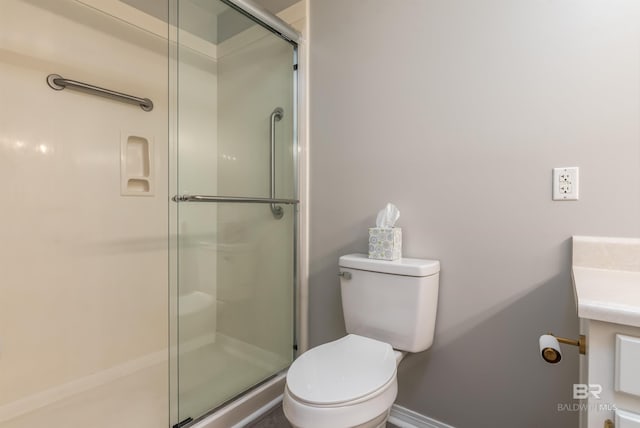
(352, 382)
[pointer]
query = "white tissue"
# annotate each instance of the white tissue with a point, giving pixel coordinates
(388, 216)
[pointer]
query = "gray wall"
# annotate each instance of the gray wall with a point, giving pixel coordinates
(457, 111)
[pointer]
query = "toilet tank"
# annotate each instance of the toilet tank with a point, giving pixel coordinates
(391, 301)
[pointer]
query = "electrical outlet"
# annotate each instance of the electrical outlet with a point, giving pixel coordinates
(565, 184)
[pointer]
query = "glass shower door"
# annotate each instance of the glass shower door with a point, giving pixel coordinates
(235, 249)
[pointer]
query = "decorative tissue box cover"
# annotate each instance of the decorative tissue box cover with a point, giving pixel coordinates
(385, 243)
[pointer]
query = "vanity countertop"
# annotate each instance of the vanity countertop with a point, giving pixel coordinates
(606, 279)
(607, 295)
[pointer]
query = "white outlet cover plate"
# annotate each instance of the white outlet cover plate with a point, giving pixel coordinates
(566, 183)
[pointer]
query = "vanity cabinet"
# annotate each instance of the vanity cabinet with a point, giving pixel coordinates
(606, 279)
(611, 369)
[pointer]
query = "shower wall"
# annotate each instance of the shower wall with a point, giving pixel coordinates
(83, 313)
(84, 307)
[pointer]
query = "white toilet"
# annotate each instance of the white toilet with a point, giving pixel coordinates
(389, 309)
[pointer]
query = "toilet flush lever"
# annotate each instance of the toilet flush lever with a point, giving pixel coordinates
(345, 275)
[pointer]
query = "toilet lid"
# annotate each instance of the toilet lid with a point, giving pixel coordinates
(343, 370)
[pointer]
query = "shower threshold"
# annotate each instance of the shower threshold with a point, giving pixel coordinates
(246, 408)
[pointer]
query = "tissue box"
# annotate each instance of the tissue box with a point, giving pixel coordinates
(385, 243)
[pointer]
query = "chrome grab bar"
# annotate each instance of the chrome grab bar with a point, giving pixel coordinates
(59, 83)
(276, 116)
(236, 199)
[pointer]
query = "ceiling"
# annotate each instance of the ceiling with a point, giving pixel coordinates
(275, 6)
(211, 20)
(216, 7)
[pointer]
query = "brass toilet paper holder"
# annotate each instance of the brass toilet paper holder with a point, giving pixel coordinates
(581, 343)
(550, 346)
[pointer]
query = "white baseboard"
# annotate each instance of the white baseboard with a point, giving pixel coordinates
(405, 418)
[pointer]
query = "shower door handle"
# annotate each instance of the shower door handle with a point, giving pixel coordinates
(276, 116)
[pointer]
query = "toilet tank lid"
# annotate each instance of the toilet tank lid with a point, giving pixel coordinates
(403, 266)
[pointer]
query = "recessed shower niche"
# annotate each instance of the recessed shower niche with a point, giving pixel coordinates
(136, 165)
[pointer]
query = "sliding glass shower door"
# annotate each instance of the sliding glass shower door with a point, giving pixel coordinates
(234, 208)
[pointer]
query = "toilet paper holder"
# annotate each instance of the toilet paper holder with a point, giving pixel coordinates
(550, 346)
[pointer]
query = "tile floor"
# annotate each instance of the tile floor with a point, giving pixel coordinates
(276, 419)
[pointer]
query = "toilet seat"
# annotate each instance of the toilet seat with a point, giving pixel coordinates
(342, 372)
(350, 382)
(351, 414)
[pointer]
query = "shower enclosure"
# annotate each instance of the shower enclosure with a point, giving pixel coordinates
(234, 209)
(148, 158)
